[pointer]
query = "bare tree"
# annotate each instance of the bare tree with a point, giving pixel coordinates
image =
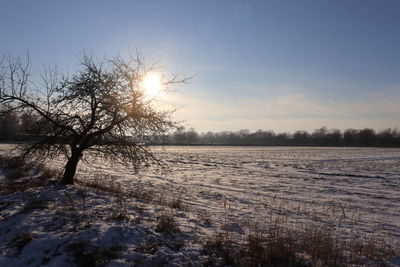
(101, 110)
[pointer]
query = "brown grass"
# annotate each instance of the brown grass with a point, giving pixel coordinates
(16, 174)
(21, 240)
(177, 203)
(317, 239)
(166, 223)
(45, 173)
(291, 236)
(21, 175)
(138, 192)
(221, 249)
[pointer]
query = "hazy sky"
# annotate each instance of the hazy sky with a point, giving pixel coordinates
(281, 65)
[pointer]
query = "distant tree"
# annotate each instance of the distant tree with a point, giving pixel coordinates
(208, 138)
(268, 137)
(179, 135)
(282, 139)
(301, 138)
(334, 137)
(350, 137)
(28, 123)
(192, 136)
(388, 137)
(101, 110)
(319, 136)
(8, 126)
(366, 137)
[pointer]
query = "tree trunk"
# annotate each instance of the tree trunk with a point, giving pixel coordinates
(70, 168)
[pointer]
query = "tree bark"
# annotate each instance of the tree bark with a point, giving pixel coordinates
(70, 168)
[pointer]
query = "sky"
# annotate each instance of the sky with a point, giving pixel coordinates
(279, 64)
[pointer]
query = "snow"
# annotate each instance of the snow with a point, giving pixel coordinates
(63, 225)
(220, 187)
(238, 182)
(393, 262)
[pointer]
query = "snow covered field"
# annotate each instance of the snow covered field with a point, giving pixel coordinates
(221, 188)
(238, 182)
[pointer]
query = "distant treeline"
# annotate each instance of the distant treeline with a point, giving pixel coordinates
(23, 127)
(15, 126)
(319, 137)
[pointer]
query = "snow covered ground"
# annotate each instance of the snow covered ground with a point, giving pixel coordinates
(220, 188)
(57, 226)
(239, 182)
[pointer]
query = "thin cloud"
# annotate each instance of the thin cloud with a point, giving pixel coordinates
(290, 111)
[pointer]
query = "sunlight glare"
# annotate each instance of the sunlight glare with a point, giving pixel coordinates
(152, 85)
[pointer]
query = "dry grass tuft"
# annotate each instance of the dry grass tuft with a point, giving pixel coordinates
(310, 241)
(166, 223)
(21, 175)
(177, 203)
(138, 192)
(221, 249)
(15, 174)
(21, 240)
(102, 185)
(45, 172)
(12, 162)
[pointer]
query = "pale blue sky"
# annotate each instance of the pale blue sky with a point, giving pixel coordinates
(281, 65)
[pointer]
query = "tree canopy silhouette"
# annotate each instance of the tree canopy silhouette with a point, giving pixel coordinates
(100, 110)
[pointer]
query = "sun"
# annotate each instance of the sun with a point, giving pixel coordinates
(152, 84)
